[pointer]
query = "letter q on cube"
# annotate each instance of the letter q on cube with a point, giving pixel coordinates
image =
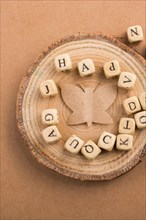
(63, 62)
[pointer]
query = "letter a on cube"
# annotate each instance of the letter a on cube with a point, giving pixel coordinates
(51, 134)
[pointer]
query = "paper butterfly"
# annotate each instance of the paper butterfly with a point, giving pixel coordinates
(89, 105)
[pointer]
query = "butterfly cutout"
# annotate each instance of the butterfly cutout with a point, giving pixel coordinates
(87, 104)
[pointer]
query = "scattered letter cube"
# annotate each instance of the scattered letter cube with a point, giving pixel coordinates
(124, 141)
(48, 88)
(135, 33)
(74, 144)
(107, 141)
(111, 69)
(90, 150)
(131, 105)
(50, 117)
(127, 126)
(86, 67)
(127, 80)
(142, 99)
(140, 119)
(63, 62)
(51, 134)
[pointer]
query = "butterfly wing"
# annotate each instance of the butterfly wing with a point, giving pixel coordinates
(103, 98)
(74, 97)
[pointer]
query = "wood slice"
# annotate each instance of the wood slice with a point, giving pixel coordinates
(30, 104)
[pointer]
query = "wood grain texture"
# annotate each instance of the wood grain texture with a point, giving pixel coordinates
(30, 104)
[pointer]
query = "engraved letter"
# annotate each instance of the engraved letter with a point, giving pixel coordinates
(52, 134)
(84, 67)
(49, 117)
(132, 105)
(74, 143)
(89, 148)
(112, 68)
(107, 136)
(127, 122)
(142, 119)
(124, 142)
(62, 62)
(135, 32)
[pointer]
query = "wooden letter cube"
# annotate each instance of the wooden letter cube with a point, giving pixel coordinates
(51, 134)
(124, 141)
(140, 119)
(74, 144)
(63, 62)
(107, 141)
(111, 69)
(86, 67)
(50, 117)
(48, 88)
(131, 105)
(135, 33)
(142, 99)
(127, 80)
(90, 150)
(127, 126)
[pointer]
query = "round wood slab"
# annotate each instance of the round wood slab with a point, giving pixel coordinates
(30, 104)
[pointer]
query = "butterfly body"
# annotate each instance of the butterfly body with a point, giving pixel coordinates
(88, 105)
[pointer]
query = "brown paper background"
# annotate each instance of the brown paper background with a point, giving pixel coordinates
(29, 190)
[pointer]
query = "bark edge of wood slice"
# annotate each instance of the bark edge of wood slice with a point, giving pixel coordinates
(110, 164)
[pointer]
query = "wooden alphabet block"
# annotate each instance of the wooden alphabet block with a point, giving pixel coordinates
(90, 150)
(63, 62)
(140, 119)
(111, 69)
(142, 99)
(131, 105)
(50, 117)
(107, 141)
(124, 142)
(135, 33)
(51, 134)
(74, 144)
(127, 126)
(127, 80)
(48, 88)
(86, 67)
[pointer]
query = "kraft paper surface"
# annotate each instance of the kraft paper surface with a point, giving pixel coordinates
(29, 190)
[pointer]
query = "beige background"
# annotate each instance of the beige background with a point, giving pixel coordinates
(29, 190)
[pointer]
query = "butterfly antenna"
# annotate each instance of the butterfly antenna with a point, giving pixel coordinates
(82, 87)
